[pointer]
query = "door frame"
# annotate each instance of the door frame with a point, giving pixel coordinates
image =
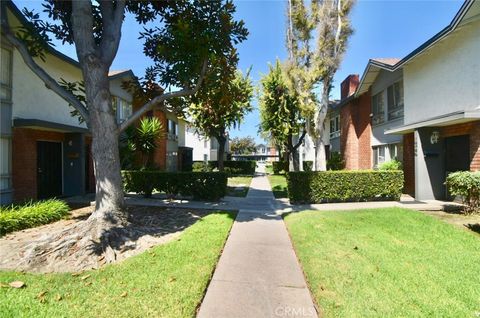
(61, 161)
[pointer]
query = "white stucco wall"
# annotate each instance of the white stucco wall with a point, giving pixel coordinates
(446, 78)
(197, 142)
(117, 90)
(33, 100)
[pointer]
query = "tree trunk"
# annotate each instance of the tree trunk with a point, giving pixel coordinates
(321, 114)
(295, 160)
(109, 197)
(221, 151)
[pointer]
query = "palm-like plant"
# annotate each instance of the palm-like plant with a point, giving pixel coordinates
(141, 140)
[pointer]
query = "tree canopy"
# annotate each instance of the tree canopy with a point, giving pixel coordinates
(243, 145)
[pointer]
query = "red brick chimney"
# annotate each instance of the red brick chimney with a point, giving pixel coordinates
(349, 85)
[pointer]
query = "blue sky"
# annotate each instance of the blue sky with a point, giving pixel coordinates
(382, 29)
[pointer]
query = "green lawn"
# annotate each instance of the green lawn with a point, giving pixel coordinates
(279, 185)
(167, 281)
(387, 263)
(269, 169)
(236, 181)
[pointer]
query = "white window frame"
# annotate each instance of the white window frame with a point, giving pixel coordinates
(335, 127)
(8, 174)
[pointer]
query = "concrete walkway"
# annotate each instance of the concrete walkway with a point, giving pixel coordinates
(258, 274)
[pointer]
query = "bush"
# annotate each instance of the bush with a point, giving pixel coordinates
(467, 185)
(307, 165)
(199, 185)
(279, 167)
(200, 166)
(244, 167)
(344, 186)
(15, 218)
(391, 165)
(335, 162)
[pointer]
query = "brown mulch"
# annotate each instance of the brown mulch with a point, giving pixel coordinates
(155, 225)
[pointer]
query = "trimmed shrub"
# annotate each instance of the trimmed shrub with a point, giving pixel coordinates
(199, 185)
(31, 214)
(467, 185)
(279, 167)
(244, 167)
(335, 162)
(344, 186)
(307, 165)
(391, 165)
(200, 166)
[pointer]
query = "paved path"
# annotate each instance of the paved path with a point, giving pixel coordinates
(258, 274)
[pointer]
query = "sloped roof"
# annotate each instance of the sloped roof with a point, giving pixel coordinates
(392, 64)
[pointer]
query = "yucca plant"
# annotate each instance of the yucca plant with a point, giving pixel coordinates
(142, 140)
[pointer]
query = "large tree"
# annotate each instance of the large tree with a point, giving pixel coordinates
(182, 38)
(281, 117)
(221, 103)
(317, 37)
(243, 145)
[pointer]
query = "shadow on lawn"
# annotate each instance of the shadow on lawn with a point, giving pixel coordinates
(152, 221)
(475, 227)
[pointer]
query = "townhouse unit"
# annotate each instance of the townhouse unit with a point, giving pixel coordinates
(423, 109)
(203, 148)
(45, 151)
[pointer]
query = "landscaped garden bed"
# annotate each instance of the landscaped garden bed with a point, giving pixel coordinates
(168, 280)
(387, 263)
(31, 214)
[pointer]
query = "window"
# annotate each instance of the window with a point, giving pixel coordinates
(385, 153)
(5, 152)
(395, 152)
(122, 108)
(378, 156)
(395, 100)
(377, 109)
(172, 128)
(335, 127)
(6, 75)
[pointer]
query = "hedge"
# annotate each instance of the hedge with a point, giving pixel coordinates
(279, 167)
(467, 185)
(199, 185)
(15, 218)
(344, 186)
(244, 167)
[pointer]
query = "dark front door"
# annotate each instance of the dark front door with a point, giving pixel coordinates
(49, 169)
(457, 155)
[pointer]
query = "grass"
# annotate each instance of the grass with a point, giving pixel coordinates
(236, 181)
(279, 185)
(269, 169)
(387, 263)
(166, 281)
(31, 214)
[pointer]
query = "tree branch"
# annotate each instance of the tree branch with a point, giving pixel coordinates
(304, 133)
(157, 100)
(44, 76)
(112, 19)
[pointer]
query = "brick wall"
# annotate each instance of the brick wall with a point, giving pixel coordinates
(409, 163)
(24, 160)
(160, 154)
(356, 133)
(363, 130)
(472, 129)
